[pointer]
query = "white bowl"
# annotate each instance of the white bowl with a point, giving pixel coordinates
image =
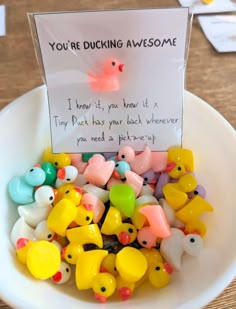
(24, 136)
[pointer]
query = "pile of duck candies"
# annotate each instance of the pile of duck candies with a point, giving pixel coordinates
(109, 221)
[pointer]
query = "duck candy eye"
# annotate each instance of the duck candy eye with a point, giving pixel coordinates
(103, 289)
(113, 63)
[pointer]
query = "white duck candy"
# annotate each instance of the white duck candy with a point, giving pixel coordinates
(173, 247)
(63, 275)
(170, 214)
(40, 209)
(42, 232)
(67, 174)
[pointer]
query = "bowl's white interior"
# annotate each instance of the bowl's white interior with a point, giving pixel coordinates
(23, 137)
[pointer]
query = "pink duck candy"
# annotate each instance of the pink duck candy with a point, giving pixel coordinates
(76, 160)
(143, 161)
(97, 205)
(157, 220)
(108, 79)
(98, 171)
(146, 238)
(132, 179)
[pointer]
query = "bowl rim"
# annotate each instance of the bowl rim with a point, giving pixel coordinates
(209, 294)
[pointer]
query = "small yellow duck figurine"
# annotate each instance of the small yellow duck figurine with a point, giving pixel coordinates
(109, 264)
(113, 225)
(88, 275)
(69, 191)
(71, 252)
(158, 272)
(59, 160)
(176, 193)
(87, 234)
(41, 257)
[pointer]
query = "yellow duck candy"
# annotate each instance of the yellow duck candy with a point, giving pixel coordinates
(88, 275)
(104, 286)
(84, 214)
(43, 259)
(207, 1)
(196, 226)
(88, 234)
(109, 264)
(176, 193)
(22, 247)
(158, 272)
(61, 215)
(176, 170)
(69, 191)
(138, 219)
(190, 215)
(152, 256)
(113, 225)
(182, 155)
(131, 264)
(59, 160)
(71, 252)
(124, 288)
(193, 209)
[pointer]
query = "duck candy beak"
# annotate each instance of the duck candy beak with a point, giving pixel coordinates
(120, 67)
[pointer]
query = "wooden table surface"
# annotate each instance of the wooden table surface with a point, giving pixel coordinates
(210, 75)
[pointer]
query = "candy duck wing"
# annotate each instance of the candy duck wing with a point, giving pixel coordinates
(142, 162)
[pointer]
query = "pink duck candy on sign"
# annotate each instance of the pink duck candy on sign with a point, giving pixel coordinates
(108, 80)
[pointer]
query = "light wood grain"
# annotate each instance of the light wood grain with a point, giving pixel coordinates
(209, 75)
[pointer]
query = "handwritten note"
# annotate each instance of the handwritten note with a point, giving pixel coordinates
(220, 31)
(2, 20)
(147, 107)
(217, 6)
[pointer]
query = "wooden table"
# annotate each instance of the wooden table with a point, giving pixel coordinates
(210, 75)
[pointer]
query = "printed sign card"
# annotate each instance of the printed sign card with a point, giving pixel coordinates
(220, 31)
(114, 77)
(2, 20)
(216, 6)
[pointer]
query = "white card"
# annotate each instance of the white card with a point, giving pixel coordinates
(2, 20)
(217, 6)
(147, 108)
(220, 30)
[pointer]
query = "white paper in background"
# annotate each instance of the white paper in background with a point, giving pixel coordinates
(148, 107)
(217, 6)
(2, 20)
(220, 30)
